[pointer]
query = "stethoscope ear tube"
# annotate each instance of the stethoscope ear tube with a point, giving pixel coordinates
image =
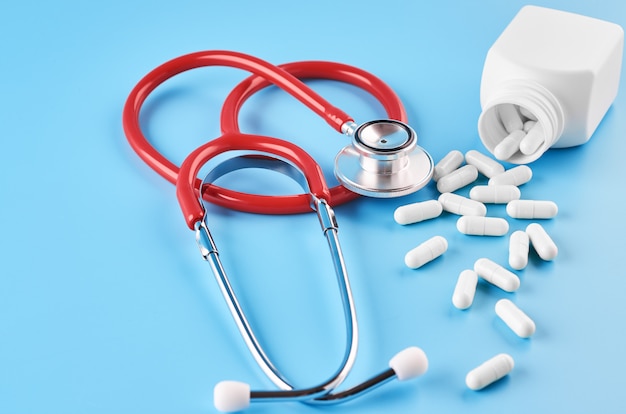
(232, 396)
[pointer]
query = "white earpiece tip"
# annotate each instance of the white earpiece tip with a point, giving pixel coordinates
(229, 396)
(409, 363)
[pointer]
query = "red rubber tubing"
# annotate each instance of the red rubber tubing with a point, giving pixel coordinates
(229, 118)
(265, 74)
(186, 190)
(313, 69)
(130, 117)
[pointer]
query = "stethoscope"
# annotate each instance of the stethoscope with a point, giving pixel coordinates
(382, 160)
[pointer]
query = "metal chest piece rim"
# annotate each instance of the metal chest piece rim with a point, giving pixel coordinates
(383, 160)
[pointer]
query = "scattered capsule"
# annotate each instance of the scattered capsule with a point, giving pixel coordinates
(533, 140)
(447, 164)
(497, 275)
(509, 145)
(518, 250)
(495, 194)
(456, 179)
(527, 114)
(465, 289)
(541, 241)
(510, 117)
(515, 318)
(485, 165)
(426, 252)
(416, 212)
(532, 209)
(463, 206)
(489, 371)
(482, 226)
(515, 176)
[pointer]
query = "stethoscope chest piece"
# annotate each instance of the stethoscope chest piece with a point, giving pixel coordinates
(383, 161)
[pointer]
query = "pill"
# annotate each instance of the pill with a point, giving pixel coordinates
(482, 226)
(426, 252)
(485, 165)
(528, 125)
(463, 206)
(509, 145)
(416, 212)
(510, 117)
(465, 289)
(457, 179)
(515, 318)
(518, 250)
(541, 241)
(496, 275)
(533, 140)
(527, 114)
(495, 194)
(447, 164)
(532, 209)
(515, 176)
(489, 371)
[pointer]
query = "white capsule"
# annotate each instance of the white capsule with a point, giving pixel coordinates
(515, 318)
(528, 125)
(518, 250)
(527, 114)
(509, 145)
(416, 212)
(497, 275)
(425, 252)
(496, 194)
(510, 117)
(489, 371)
(482, 226)
(485, 165)
(447, 164)
(463, 206)
(515, 176)
(533, 140)
(532, 209)
(458, 178)
(541, 241)
(465, 289)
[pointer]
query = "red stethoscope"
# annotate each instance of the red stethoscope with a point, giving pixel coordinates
(382, 160)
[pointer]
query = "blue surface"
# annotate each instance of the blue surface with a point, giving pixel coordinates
(106, 305)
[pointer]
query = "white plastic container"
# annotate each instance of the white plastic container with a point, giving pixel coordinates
(560, 68)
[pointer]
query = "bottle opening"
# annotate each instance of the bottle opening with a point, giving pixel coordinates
(520, 124)
(513, 133)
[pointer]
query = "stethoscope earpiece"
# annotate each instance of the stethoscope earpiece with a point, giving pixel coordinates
(383, 160)
(412, 362)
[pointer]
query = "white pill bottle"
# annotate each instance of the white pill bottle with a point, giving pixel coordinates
(557, 69)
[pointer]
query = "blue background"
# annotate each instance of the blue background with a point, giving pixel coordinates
(106, 305)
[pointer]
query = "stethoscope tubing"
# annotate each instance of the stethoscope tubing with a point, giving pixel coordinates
(284, 76)
(130, 117)
(187, 192)
(314, 69)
